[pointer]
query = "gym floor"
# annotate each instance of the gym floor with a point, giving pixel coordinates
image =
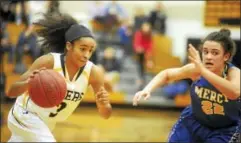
(125, 125)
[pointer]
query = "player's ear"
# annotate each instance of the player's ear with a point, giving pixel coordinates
(68, 46)
(227, 57)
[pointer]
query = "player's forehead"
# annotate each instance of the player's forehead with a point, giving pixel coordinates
(86, 41)
(212, 46)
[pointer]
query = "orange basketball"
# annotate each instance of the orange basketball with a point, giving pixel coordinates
(47, 88)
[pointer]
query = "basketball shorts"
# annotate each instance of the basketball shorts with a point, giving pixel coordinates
(26, 126)
(188, 130)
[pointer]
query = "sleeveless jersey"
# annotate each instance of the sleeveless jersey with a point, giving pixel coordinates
(76, 90)
(211, 107)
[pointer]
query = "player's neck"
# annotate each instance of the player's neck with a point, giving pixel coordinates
(220, 71)
(71, 68)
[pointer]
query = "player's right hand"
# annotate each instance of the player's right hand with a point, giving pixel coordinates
(139, 95)
(35, 72)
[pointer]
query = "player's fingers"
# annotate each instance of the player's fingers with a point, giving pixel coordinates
(191, 52)
(139, 97)
(134, 100)
(31, 76)
(103, 100)
(43, 68)
(192, 59)
(102, 88)
(104, 95)
(36, 71)
(100, 94)
(192, 47)
(147, 96)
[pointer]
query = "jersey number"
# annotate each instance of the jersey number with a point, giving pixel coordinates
(212, 108)
(61, 107)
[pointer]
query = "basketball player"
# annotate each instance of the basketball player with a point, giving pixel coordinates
(29, 122)
(214, 114)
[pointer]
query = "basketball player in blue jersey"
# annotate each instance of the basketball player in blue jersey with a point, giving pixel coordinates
(215, 111)
(62, 33)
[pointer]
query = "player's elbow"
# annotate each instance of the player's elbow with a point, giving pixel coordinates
(164, 75)
(11, 94)
(237, 93)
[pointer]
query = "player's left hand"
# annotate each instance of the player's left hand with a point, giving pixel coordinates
(102, 97)
(194, 56)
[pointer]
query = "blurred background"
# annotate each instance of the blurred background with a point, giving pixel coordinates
(168, 26)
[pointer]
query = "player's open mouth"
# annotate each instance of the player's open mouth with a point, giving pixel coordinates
(209, 64)
(83, 61)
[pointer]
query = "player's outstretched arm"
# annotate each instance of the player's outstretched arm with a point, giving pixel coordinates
(164, 77)
(101, 95)
(20, 86)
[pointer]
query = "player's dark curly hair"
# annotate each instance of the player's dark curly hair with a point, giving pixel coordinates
(222, 37)
(52, 29)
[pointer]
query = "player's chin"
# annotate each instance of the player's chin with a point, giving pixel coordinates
(81, 63)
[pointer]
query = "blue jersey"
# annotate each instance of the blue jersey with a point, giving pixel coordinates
(210, 107)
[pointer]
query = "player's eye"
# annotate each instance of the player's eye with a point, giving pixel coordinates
(205, 52)
(82, 49)
(215, 53)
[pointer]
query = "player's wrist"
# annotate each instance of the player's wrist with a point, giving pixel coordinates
(147, 90)
(103, 105)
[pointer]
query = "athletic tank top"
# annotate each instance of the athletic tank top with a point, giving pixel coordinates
(76, 90)
(211, 107)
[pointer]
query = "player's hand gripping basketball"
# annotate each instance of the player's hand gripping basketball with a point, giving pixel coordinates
(139, 95)
(102, 97)
(34, 73)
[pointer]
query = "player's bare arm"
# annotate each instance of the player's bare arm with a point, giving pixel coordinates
(101, 95)
(20, 86)
(230, 87)
(167, 76)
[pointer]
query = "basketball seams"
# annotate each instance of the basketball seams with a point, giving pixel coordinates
(33, 87)
(44, 90)
(55, 82)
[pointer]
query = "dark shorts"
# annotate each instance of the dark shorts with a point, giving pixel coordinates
(189, 130)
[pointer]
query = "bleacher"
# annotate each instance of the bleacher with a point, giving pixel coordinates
(222, 12)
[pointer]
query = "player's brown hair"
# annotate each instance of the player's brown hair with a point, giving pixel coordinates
(52, 31)
(222, 37)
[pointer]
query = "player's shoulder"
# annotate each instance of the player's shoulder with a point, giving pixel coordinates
(233, 71)
(95, 69)
(232, 67)
(45, 60)
(96, 73)
(55, 54)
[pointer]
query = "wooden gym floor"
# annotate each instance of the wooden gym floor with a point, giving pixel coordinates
(132, 125)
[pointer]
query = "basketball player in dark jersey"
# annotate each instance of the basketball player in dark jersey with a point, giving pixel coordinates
(215, 111)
